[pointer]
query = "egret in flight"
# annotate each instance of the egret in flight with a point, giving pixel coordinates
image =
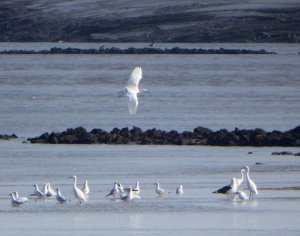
(131, 90)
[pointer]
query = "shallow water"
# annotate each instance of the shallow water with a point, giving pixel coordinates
(42, 93)
(214, 91)
(201, 170)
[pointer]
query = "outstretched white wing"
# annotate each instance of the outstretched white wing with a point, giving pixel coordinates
(132, 103)
(135, 77)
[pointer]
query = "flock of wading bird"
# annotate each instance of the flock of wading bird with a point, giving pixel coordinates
(128, 194)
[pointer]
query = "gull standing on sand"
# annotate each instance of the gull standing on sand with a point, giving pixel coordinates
(59, 197)
(251, 185)
(179, 190)
(77, 191)
(131, 90)
(230, 190)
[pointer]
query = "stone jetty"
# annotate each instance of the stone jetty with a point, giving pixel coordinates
(132, 50)
(199, 136)
(8, 136)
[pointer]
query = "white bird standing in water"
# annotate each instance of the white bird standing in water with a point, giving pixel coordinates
(251, 185)
(38, 193)
(179, 190)
(131, 90)
(18, 198)
(77, 191)
(159, 190)
(115, 191)
(86, 189)
(129, 197)
(50, 191)
(242, 196)
(59, 197)
(15, 201)
(230, 190)
(239, 181)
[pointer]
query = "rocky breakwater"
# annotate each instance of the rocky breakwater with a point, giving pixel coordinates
(199, 136)
(132, 50)
(8, 136)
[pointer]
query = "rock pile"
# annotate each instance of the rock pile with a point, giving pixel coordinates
(7, 136)
(199, 136)
(132, 50)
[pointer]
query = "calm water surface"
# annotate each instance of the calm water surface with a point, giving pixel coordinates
(42, 93)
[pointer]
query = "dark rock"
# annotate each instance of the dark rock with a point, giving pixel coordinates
(200, 136)
(283, 153)
(7, 136)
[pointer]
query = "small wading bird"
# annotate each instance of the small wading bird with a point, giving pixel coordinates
(131, 90)
(60, 198)
(17, 201)
(86, 189)
(38, 193)
(77, 191)
(251, 185)
(179, 189)
(242, 196)
(159, 191)
(115, 191)
(239, 181)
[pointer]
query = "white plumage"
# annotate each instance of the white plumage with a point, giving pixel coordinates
(179, 189)
(159, 191)
(16, 201)
(250, 184)
(132, 89)
(77, 191)
(59, 197)
(86, 188)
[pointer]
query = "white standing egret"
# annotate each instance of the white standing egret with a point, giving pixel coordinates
(131, 90)
(38, 193)
(15, 201)
(86, 189)
(59, 197)
(159, 191)
(242, 196)
(179, 190)
(230, 190)
(115, 190)
(251, 185)
(77, 191)
(239, 181)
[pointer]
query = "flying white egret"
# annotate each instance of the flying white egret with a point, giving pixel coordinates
(131, 90)
(159, 191)
(59, 197)
(115, 190)
(230, 190)
(77, 191)
(86, 189)
(251, 185)
(15, 201)
(179, 189)
(239, 181)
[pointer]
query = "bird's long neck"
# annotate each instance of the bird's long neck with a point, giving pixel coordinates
(13, 196)
(75, 182)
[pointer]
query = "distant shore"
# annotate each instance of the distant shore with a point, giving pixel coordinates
(199, 136)
(132, 50)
